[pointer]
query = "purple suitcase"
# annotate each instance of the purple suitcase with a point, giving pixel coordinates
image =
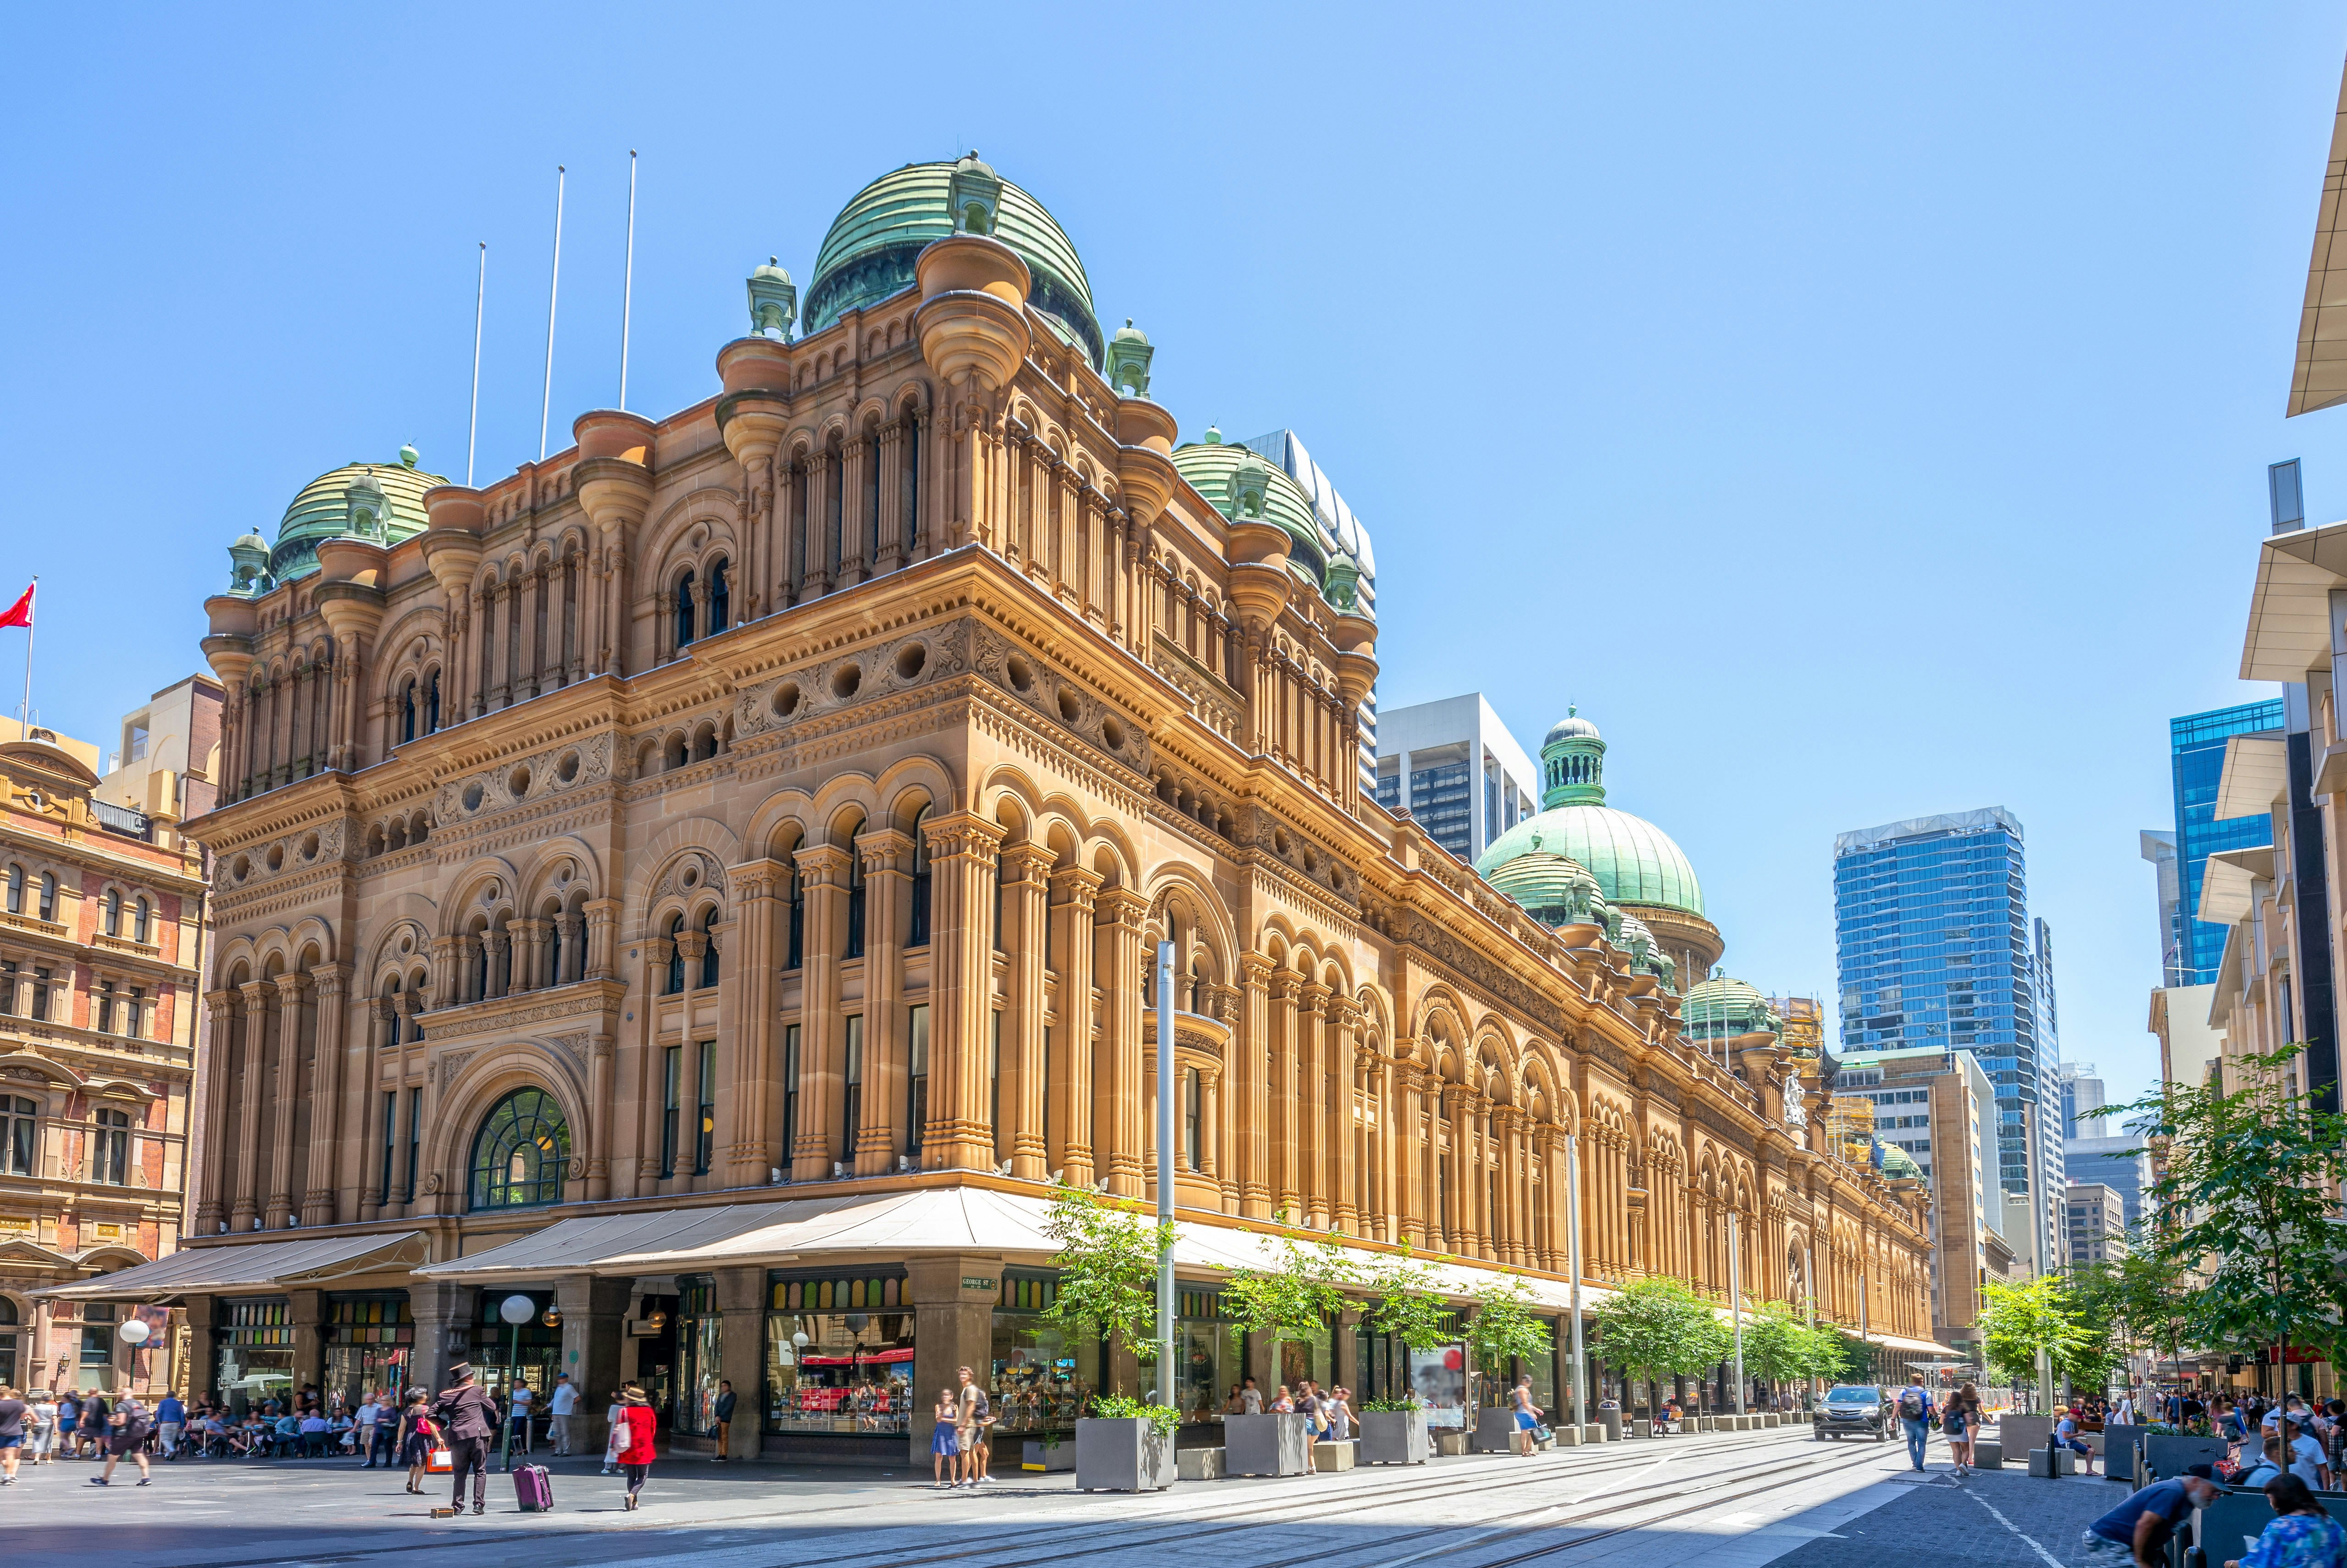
(533, 1489)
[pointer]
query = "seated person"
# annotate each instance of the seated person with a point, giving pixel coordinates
(2065, 1436)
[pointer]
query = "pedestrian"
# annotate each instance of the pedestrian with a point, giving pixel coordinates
(469, 1417)
(1250, 1398)
(1236, 1404)
(89, 1432)
(419, 1439)
(2136, 1532)
(13, 1414)
(1956, 1419)
(2307, 1460)
(125, 1433)
(724, 1412)
(523, 1396)
(1340, 1416)
(945, 1441)
(69, 1418)
(965, 1392)
(1916, 1412)
(369, 1412)
(2266, 1469)
(2066, 1435)
(611, 1420)
(982, 1420)
(1282, 1404)
(635, 1448)
(1307, 1405)
(1528, 1414)
(559, 1408)
(2301, 1534)
(170, 1421)
(45, 1426)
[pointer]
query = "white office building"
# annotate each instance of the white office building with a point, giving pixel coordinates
(1453, 767)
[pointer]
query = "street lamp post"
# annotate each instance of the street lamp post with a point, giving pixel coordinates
(1573, 1266)
(1736, 1303)
(1165, 1394)
(516, 1310)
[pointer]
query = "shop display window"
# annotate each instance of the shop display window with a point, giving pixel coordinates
(1042, 1374)
(839, 1354)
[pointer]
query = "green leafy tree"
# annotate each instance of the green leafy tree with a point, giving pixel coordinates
(1298, 1295)
(1108, 1266)
(1777, 1348)
(2247, 1191)
(1656, 1327)
(2102, 1308)
(2021, 1319)
(1405, 1302)
(1504, 1327)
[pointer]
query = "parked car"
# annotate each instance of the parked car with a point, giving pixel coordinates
(1853, 1410)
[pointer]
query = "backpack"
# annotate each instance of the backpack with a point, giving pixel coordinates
(1911, 1403)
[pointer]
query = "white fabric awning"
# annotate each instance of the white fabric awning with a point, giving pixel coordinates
(246, 1265)
(582, 1246)
(1921, 1346)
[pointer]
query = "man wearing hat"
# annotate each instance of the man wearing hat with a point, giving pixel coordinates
(469, 1417)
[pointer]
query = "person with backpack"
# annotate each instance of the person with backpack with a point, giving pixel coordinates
(1916, 1413)
(125, 1433)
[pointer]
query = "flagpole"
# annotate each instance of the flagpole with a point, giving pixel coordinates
(553, 291)
(628, 286)
(31, 615)
(472, 426)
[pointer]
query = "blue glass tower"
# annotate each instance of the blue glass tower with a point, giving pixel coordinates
(1933, 947)
(2195, 747)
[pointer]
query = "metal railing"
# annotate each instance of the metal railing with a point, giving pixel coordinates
(123, 820)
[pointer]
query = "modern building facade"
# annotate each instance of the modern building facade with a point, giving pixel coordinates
(2082, 1101)
(1934, 949)
(2120, 1161)
(2097, 1223)
(2195, 746)
(1935, 1107)
(705, 883)
(2158, 846)
(101, 945)
(1456, 768)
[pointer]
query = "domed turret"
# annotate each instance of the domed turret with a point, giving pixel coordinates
(774, 301)
(1634, 861)
(868, 254)
(1240, 485)
(379, 501)
(1722, 1009)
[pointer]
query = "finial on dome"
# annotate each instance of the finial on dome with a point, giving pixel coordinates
(1213, 434)
(408, 455)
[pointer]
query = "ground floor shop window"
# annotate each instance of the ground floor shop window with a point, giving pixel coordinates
(1043, 1375)
(1439, 1378)
(370, 1342)
(1205, 1356)
(528, 1355)
(839, 1354)
(699, 1344)
(8, 1321)
(252, 1352)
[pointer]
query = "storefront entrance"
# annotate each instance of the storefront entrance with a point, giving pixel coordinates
(252, 1352)
(370, 1342)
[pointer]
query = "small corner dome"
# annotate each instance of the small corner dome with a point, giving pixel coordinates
(1897, 1165)
(772, 272)
(1572, 727)
(250, 540)
(1210, 468)
(1128, 332)
(379, 500)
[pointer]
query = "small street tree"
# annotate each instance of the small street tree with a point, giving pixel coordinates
(1504, 1327)
(1657, 1328)
(1108, 1268)
(1777, 1348)
(1299, 1295)
(2249, 1189)
(1405, 1302)
(2018, 1321)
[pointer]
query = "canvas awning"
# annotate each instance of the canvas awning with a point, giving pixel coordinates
(1920, 1347)
(246, 1265)
(583, 1245)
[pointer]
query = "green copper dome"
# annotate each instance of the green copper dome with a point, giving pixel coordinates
(1635, 862)
(868, 254)
(1226, 475)
(1899, 1164)
(382, 501)
(1554, 889)
(1724, 1008)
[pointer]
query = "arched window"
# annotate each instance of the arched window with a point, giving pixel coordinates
(519, 1154)
(20, 1126)
(796, 955)
(432, 702)
(675, 956)
(406, 711)
(139, 926)
(112, 905)
(391, 1009)
(720, 601)
(923, 880)
(110, 1156)
(553, 945)
(910, 471)
(48, 894)
(684, 611)
(709, 949)
(16, 889)
(1192, 1128)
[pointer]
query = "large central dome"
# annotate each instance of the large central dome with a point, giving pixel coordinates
(1634, 861)
(867, 255)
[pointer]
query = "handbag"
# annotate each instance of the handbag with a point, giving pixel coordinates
(622, 1437)
(439, 1461)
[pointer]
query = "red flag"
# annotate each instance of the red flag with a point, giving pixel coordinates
(21, 612)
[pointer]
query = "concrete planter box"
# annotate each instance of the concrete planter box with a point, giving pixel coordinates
(1570, 1437)
(1123, 1453)
(2018, 1433)
(1495, 1431)
(1395, 1437)
(1035, 1454)
(1200, 1464)
(2165, 1457)
(1266, 1445)
(1334, 1455)
(2122, 1449)
(1451, 1442)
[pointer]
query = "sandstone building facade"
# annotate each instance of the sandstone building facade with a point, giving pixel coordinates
(640, 878)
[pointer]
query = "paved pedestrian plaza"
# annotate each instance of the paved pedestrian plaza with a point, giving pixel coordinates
(1727, 1500)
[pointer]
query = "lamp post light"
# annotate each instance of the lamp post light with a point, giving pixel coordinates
(516, 1310)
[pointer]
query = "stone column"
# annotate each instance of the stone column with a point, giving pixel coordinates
(215, 1184)
(1074, 891)
(742, 1307)
(1027, 903)
(750, 1152)
(591, 1312)
(284, 1085)
(892, 498)
(1251, 1088)
(960, 1134)
(1351, 1081)
(603, 1116)
(888, 860)
(325, 1097)
(1311, 1153)
(822, 1050)
(1117, 1089)
(1285, 1132)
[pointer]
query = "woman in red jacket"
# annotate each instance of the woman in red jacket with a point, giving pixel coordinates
(636, 1459)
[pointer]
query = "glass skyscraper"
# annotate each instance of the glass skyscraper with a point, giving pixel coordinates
(2195, 747)
(1933, 946)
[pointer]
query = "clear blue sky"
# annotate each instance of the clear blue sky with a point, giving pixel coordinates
(1860, 413)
